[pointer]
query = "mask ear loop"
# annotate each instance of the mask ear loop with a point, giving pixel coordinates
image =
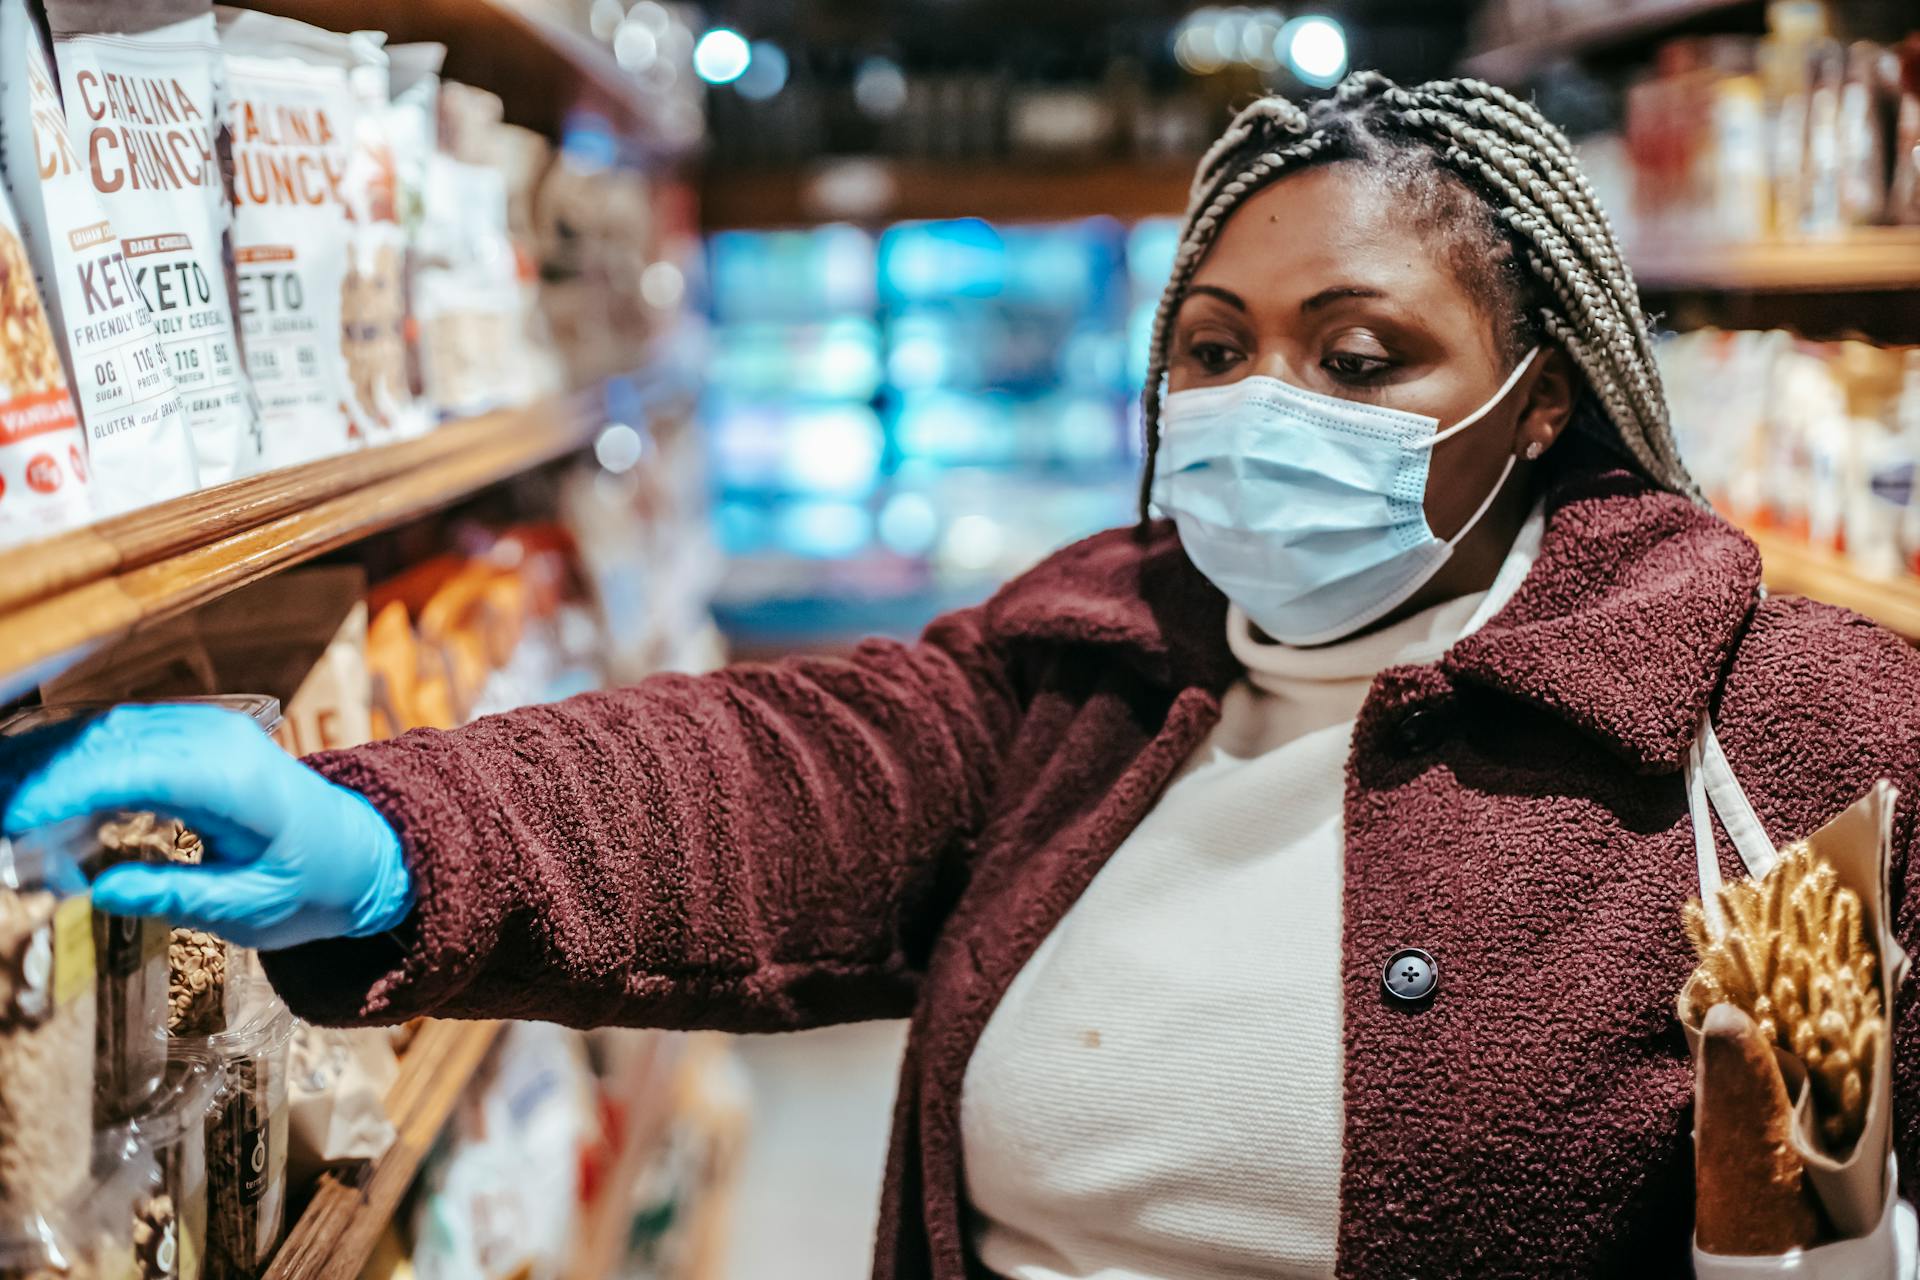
(1512, 379)
(1454, 430)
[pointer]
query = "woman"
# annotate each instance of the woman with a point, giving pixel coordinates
(1293, 889)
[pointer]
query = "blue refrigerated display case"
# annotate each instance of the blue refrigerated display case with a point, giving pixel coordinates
(900, 421)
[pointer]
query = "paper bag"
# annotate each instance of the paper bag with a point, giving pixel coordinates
(1857, 1192)
(336, 1096)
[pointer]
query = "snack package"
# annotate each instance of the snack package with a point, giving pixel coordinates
(381, 397)
(46, 1022)
(412, 127)
(468, 290)
(138, 449)
(337, 1098)
(43, 473)
(247, 1133)
(143, 89)
(293, 127)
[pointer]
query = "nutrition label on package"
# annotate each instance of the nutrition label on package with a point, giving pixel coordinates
(189, 309)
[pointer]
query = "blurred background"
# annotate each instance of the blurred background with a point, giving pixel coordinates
(759, 326)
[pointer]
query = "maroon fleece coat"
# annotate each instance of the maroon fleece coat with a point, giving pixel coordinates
(816, 841)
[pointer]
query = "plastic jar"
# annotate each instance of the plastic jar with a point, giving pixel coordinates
(46, 1023)
(169, 1212)
(246, 1133)
(137, 988)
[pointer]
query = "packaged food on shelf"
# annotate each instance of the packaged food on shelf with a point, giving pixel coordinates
(144, 94)
(1903, 199)
(46, 1022)
(247, 1132)
(337, 1092)
(501, 1199)
(171, 1134)
(43, 473)
(381, 398)
(90, 1236)
(293, 120)
(412, 131)
(467, 292)
(137, 446)
(1818, 441)
(132, 987)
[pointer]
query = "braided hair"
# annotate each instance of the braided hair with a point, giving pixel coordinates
(1527, 235)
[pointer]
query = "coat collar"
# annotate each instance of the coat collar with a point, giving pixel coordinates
(1623, 628)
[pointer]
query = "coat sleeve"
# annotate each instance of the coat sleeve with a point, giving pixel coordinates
(765, 848)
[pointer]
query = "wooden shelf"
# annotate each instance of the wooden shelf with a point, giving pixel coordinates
(1621, 24)
(349, 1211)
(875, 191)
(1795, 569)
(540, 69)
(1867, 259)
(65, 595)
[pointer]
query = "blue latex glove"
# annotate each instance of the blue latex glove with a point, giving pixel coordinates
(290, 857)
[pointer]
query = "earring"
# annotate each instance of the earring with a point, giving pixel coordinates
(1534, 450)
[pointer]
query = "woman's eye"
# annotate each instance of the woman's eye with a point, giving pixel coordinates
(1213, 357)
(1354, 366)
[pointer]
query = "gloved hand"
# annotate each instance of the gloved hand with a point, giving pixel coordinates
(290, 857)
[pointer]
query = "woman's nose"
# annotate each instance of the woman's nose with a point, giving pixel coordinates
(1276, 364)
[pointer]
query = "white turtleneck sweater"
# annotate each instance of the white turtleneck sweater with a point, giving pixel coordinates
(1158, 1095)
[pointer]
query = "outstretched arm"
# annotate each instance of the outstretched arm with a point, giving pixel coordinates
(764, 848)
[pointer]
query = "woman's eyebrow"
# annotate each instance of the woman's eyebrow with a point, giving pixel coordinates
(1338, 293)
(1227, 296)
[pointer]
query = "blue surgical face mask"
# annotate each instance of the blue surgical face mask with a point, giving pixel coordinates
(1307, 511)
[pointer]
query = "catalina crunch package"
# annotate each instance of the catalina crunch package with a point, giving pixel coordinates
(293, 128)
(142, 86)
(138, 447)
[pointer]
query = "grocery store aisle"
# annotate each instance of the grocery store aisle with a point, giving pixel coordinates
(811, 1182)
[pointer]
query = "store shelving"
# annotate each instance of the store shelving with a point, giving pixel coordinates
(1608, 27)
(1865, 259)
(540, 69)
(869, 191)
(62, 596)
(335, 1235)
(1794, 568)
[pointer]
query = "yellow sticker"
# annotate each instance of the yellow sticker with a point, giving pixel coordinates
(72, 948)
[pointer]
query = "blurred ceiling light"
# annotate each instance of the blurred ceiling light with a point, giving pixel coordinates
(662, 285)
(721, 56)
(1257, 39)
(605, 18)
(619, 447)
(1211, 38)
(635, 47)
(880, 87)
(766, 74)
(909, 525)
(1316, 49)
(651, 15)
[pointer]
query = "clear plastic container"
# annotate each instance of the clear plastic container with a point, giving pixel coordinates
(89, 1235)
(169, 1212)
(138, 988)
(46, 1025)
(246, 1148)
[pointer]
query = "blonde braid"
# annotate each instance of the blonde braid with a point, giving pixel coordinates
(1512, 157)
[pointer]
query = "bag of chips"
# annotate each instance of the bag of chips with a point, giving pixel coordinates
(143, 90)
